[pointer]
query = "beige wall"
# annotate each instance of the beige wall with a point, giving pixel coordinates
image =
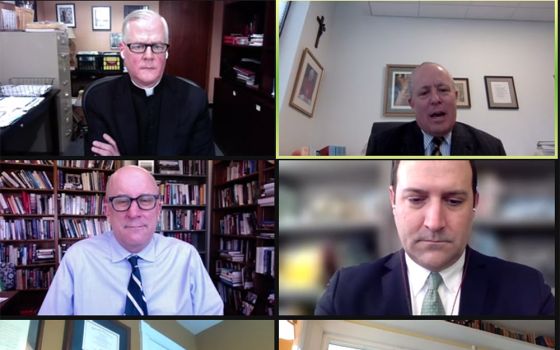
(86, 38)
(53, 334)
(238, 335)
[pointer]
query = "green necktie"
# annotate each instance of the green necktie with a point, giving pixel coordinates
(432, 303)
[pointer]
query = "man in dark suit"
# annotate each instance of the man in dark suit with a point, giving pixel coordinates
(435, 131)
(436, 273)
(147, 112)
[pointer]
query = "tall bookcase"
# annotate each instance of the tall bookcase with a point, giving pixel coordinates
(243, 236)
(244, 93)
(183, 186)
(45, 206)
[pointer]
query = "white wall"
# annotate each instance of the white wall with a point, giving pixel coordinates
(357, 46)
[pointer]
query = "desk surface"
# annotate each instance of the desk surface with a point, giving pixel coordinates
(6, 303)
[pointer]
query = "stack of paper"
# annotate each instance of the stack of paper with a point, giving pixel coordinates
(13, 108)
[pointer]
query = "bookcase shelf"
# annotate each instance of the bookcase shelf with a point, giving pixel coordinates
(235, 245)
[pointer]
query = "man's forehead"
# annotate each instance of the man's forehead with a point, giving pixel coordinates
(422, 171)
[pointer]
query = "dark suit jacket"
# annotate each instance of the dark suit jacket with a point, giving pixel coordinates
(491, 287)
(408, 139)
(184, 125)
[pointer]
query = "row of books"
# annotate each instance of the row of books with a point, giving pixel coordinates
(29, 254)
(80, 205)
(241, 245)
(28, 161)
(21, 229)
(238, 194)
(182, 194)
(192, 238)
(83, 228)
(30, 179)
(331, 150)
(34, 278)
(182, 219)
(237, 169)
(86, 181)
(234, 275)
(245, 75)
(265, 260)
(244, 40)
(87, 164)
(267, 195)
(182, 167)
(231, 297)
(238, 224)
(492, 328)
(26, 203)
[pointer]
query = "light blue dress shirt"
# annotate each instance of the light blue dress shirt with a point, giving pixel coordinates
(93, 277)
(444, 148)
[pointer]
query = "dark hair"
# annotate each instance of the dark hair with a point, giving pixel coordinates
(395, 168)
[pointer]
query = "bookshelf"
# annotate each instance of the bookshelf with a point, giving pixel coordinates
(244, 92)
(183, 186)
(45, 206)
(243, 236)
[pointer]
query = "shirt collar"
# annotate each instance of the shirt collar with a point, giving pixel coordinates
(118, 252)
(418, 275)
(149, 91)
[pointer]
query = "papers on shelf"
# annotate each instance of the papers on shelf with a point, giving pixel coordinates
(24, 90)
(13, 108)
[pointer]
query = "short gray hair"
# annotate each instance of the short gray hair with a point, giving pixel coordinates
(144, 15)
(426, 64)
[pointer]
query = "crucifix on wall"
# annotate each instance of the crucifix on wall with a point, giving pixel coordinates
(322, 28)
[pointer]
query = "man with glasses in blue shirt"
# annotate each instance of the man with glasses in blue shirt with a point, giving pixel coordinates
(146, 112)
(130, 270)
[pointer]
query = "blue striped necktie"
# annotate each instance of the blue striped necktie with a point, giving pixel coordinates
(135, 299)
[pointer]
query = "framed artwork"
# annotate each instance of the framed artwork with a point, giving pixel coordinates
(115, 40)
(463, 92)
(101, 18)
(174, 167)
(130, 8)
(147, 164)
(306, 86)
(500, 92)
(396, 90)
(72, 181)
(66, 13)
(21, 334)
(96, 334)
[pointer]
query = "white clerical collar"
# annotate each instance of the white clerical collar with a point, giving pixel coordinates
(417, 275)
(149, 91)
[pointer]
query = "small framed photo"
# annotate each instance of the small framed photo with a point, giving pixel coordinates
(131, 8)
(116, 39)
(396, 90)
(66, 13)
(96, 334)
(463, 92)
(172, 167)
(72, 182)
(500, 92)
(101, 18)
(147, 164)
(306, 86)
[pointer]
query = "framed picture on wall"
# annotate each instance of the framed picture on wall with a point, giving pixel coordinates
(500, 92)
(463, 92)
(96, 334)
(21, 334)
(396, 90)
(306, 86)
(115, 40)
(101, 18)
(66, 13)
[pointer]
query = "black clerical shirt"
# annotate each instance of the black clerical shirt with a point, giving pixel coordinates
(147, 110)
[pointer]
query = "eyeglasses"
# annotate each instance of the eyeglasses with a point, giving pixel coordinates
(141, 47)
(144, 202)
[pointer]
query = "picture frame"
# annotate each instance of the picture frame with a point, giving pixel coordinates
(170, 167)
(500, 92)
(147, 164)
(96, 334)
(115, 40)
(127, 9)
(101, 18)
(463, 92)
(306, 85)
(73, 181)
(66, 13)
(396, 90)
(25, 334)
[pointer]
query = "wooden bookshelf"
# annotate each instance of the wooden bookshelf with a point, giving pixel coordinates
(241, 228)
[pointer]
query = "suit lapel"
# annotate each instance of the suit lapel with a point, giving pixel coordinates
(395, 287)
(475, 285)
(413, 140)
(125, 118)
(461, 141)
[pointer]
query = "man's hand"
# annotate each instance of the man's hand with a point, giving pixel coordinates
(108, 148)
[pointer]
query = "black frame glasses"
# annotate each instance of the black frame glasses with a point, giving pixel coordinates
(138, 200)
(142, 47)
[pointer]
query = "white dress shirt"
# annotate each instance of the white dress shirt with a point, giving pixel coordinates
(93, 277)
(444, 148)
(449, 290)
